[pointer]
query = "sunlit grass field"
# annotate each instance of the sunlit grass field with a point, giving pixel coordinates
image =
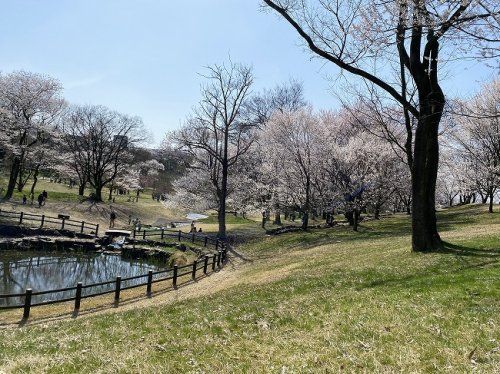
(65, 200)
(321, 301)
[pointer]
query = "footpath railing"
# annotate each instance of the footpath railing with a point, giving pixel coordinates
(60, 222)
(116, 286)
(179, 235)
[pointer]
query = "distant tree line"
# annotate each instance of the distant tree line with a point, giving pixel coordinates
(91, 147)
(271, 151)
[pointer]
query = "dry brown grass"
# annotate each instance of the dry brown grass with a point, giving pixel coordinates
(324, 301)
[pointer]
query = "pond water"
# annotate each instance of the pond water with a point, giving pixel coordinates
(47, 271)
(195, 216)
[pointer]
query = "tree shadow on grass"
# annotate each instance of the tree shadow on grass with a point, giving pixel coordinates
(461, 250)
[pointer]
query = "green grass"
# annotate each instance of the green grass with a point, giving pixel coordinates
(62, 199)
(231, 219)
(324, 300)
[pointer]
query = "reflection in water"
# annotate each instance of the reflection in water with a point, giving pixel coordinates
(42, 271)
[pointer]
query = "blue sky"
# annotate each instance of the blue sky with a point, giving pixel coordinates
(142, 57)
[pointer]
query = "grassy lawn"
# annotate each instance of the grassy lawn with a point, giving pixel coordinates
(325, 300)
(62, 199)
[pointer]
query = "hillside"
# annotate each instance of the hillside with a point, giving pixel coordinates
(322, 300)
(64, 200)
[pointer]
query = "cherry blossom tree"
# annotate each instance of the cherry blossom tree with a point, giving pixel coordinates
(31, 104)
(412, 38)
(477, 140)
(291, 141)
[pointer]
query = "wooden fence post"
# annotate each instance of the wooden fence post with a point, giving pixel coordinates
(78, 296)
(118, 288)
(193, 275)
(43, 220)
(205, 264)
(27, 303)
(213, 262)
(150, 281)
(179, 235)
(206, 239)
(81, 228)
(133, 234)
(21, 218)
(192, 237)
(144, 234)
(174, 278)
(62, 223)
(216, 244)
(162, 233)
(96, 229)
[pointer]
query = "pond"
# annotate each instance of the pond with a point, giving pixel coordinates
(42, 271)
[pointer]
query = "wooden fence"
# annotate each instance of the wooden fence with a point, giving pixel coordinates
(179, 235)
(60, 223)
(213, 262)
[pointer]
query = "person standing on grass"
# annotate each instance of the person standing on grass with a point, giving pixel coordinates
(24, 199)
(40, 200)
(112, 217)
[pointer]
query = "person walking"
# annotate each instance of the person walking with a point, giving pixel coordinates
(112, 217)
(40, 200)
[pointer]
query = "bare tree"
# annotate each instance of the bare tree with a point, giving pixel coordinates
(98, 140)
(287, 96)
(411, 34)
(218, 133)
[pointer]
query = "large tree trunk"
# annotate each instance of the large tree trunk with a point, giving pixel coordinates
(305, 221)
(81, 188)
(307, 208)
(277, 217)
(490, 208)
(14, 172)
(222, 199)
(20, 181)
(221, 214)
(355, 219)
(425, 236)
(35, 180)
(98, 193)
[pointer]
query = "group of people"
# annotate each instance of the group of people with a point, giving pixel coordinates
(193, 228)
(42, 198)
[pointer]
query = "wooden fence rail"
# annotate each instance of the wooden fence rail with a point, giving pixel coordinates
(116, 286)
(179, 235)
(48, 221)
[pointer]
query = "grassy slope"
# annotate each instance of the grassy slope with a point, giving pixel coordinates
(62, 199)
(329, 299)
